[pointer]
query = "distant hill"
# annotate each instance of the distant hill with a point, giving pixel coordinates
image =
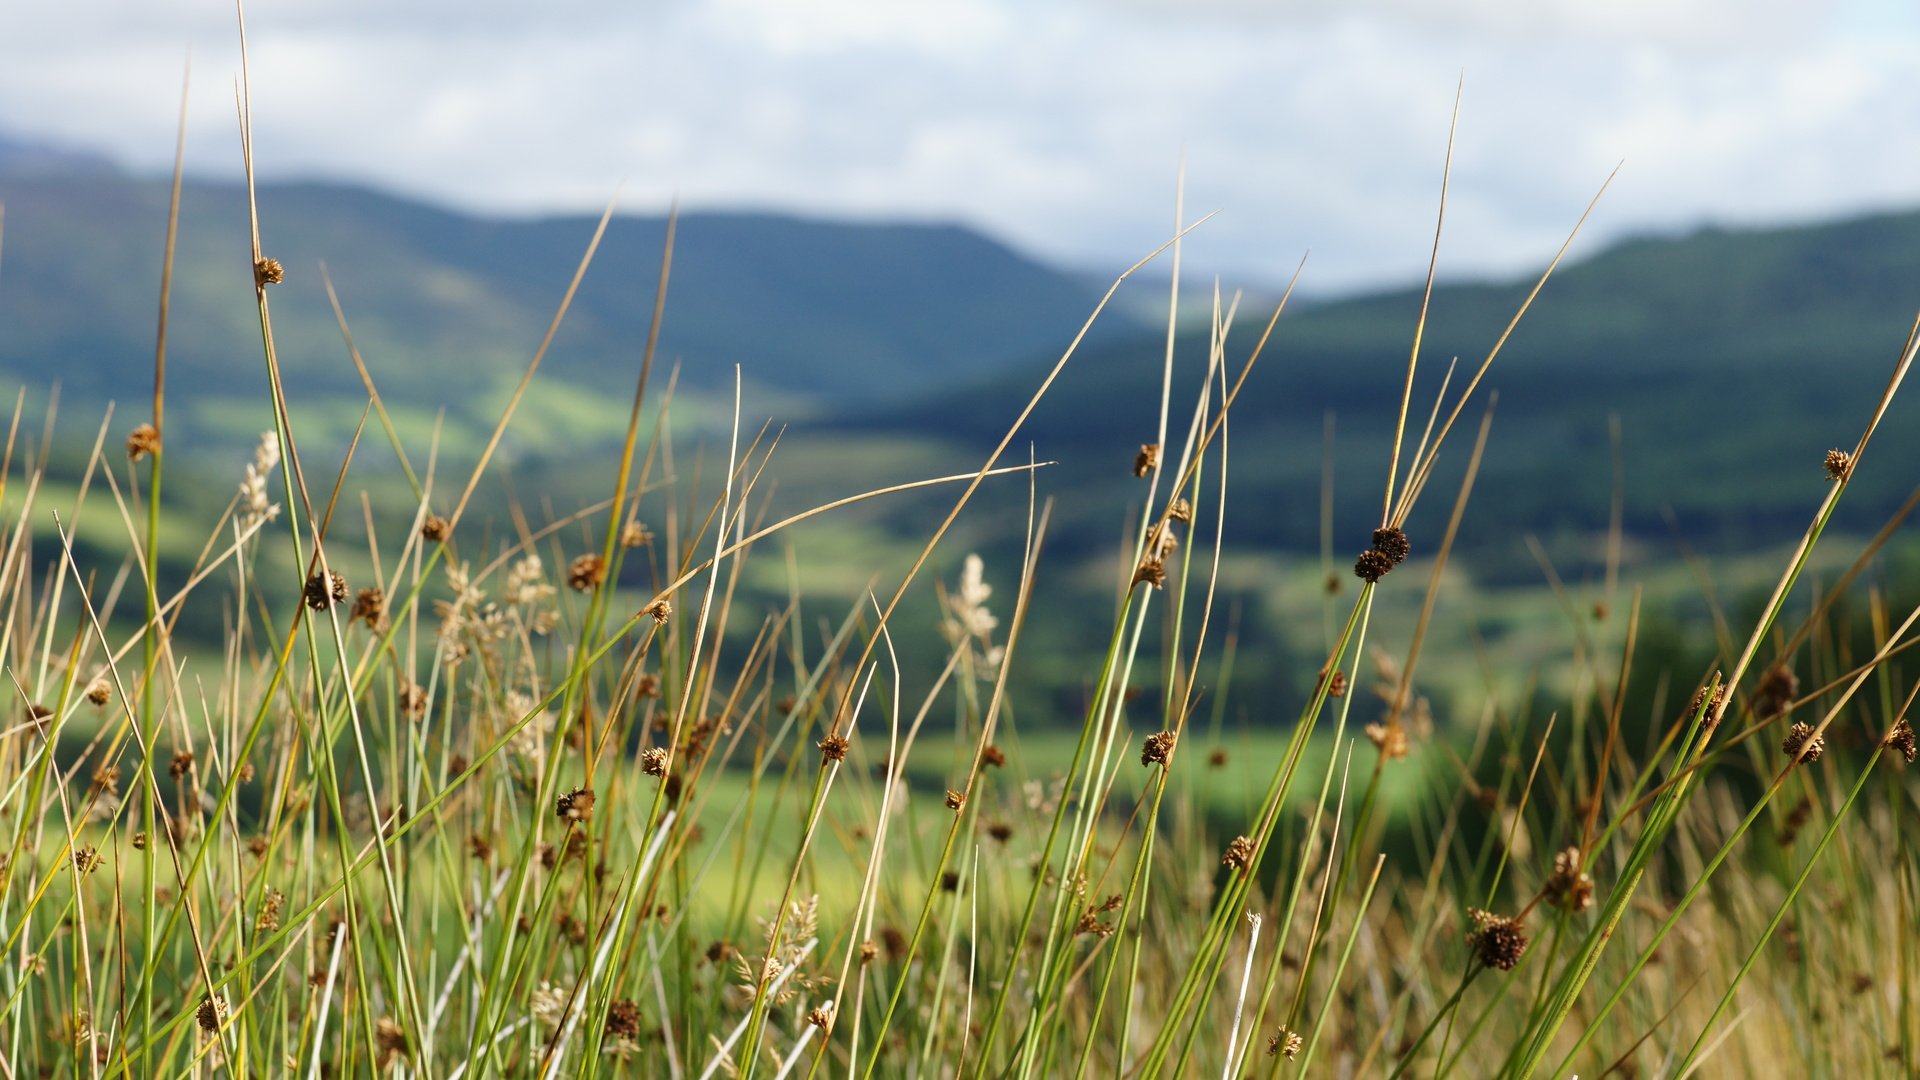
(448, 307)
(1734, 358)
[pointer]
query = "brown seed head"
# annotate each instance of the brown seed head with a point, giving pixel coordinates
(1496, 941)
(1392, 543)
(1147, 460)
(480, 847)
(268, 272)
(587, 572)
(956, 800)
(993, 755)
(1389, 739)
(833, 748)
(412, 699)
(182, 764)
(653, 761)
(140, 841)
(435, 529)
(1901, 739)
(1337, 685)
(1152, 571)
(1157, 748)
(1000, 831)
(1839, 464)
(141, 441)
(1286, 1041)
(99, 692)
(1569, 888)
(326, 588)
(1180, 510)
(1239, 854)
(633, 535)
(869, 949)
(87, 859)
(39, 716)
(822, 1018)
(950, 881)
(623, 1019)
(660, 609)
(1775, 691)
(370, 607)
(1802, 744)
(1217, 759)
(575, 805)
(1372, 565)
(210, 1013)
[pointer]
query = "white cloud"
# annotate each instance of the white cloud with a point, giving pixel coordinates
(1312, 124)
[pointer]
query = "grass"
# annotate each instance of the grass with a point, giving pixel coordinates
(555, 794)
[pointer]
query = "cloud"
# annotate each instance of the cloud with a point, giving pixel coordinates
(1061, 127)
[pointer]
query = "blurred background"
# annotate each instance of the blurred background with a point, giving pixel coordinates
(897, 215)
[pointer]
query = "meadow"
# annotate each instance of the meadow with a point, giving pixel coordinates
(465, 786)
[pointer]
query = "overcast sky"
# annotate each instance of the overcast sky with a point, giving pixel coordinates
(1059, 126)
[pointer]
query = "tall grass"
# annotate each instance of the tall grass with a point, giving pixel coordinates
(545, 798)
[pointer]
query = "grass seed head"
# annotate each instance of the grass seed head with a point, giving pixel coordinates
(660, 609)
(1180, 510)
(1901, 739)
(1217, 759)
(1239, 854)
(326, 588)
(653, 761)
(833, 748)
(99, 692)
(1803, 744)
(633, 535)
(435, 529)
(956, 800)
(586, 573)
(1157, 748)
(141, 441)
(993, 755)
(1839, 464)
(1286, 1041)
(1569, 888)
(268, 272)
(1392, 543)
(1390, 739)
(370, 607)
(1496, 940)
(182, 764)
(1152, 571)
(623, 1019)
(822, 1018)
(1372, 565)
(211, 1012)
(1147, 460)
(575, 805)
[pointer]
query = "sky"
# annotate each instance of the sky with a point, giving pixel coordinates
(1061, 126)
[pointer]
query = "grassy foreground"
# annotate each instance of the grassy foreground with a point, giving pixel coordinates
(541, 797)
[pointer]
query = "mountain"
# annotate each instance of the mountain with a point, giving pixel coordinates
(1733, 358)
(448, 307)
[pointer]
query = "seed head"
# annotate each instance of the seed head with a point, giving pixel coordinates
(1496, 940)
(87, 859)
(1337, 685)
(1180, 510)
(1901, 739)
(435, 529)
(1569, 888)
(1239, 854)
(1147, 460)
(956, 800)
(1775, 691)
(1372, 565)
(653, 761)
(99, 692)
(586, 572)
(1152, 571)
(1392, 543)
(833, 748)
(993, 755)
(575, 805)
(480, 847)
(660, 609)
(268, 272)
(141, 441)
(182, 764)
(869, 949)
(623, 1019)
(1157, 748)
(1389, 739)
(412, 700)
(1217, 759)
(370, 607)
(822, 1018)
(210, 1013)
(1802, 744)
(1839, 464)
(1286, 1041)
(326, 588)
(1000, 831)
